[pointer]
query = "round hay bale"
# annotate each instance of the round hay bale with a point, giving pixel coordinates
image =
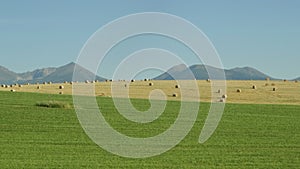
(71, 83)
(61, 92)
(208, 80)
(38, 87)
(61, 87)
(45, 83)
(11, 85)
(177, 86)
(273, 84)
(132, 80)
(146, 80)
(96, 81)
(28, 84)
(175, 95)
(219, 91)
(6, 86)
(267, 84)
(239, 90)
(87, 81)
(106, 80)
(66, 82)
(3, 85)
(274, 89)
(13, 90)
(222, 100)
(49, 82)
(20, 85)
(267, 79)
(151, 84)
(224, 96)
(254, 87)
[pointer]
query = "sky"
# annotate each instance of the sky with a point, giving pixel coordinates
(260, 34)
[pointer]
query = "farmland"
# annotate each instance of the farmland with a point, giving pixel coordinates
(249, 135)
(286, 92)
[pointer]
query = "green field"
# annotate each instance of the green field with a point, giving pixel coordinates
(249, 136)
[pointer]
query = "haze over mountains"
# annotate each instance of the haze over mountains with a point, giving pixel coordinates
(65, 73)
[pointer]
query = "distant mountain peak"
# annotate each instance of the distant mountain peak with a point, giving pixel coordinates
(52, 74)
(200, 73)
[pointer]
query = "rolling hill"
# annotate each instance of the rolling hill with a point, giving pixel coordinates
(181, 72)
(55, 75)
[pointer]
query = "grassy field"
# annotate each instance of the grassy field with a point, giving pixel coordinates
(286, 92)
(249, 135)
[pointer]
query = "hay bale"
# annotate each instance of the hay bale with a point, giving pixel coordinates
(151, 84)
(267, 84)
(208, 80)
(38, 87)
(66, 82)
(239, 90)
(132, 80)
(177, 86)
(20, 85)
(175, 95)
(11, 86)
(267, 79)
(13, 90)
(61, 87)
(219, 91)
(71, 83)
(87, 81)
(254, 87)
(49, 82)
(45, 83)
(274, 89)
(6, 86)
(28, 84)
(61, 93)
(222, 100)
(224, 96)
(3, 85)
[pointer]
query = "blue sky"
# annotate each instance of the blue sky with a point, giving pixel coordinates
(261, 34)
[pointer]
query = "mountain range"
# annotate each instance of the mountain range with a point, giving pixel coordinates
(180, 72)
(52, 74)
